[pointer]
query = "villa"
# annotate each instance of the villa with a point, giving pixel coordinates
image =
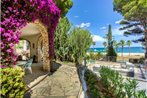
(37, 36)
(73, 49)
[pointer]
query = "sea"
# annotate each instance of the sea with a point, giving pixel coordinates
(126, 50)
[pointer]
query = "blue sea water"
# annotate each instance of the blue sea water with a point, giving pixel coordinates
(126, 50)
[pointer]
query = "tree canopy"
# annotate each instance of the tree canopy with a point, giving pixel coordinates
(61, 37)
(109, 35)
(134, 14)
(64, 6)
(71, 44)
(80, 41)
(134, 10)
(110, 49)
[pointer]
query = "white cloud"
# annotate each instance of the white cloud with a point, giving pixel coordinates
(118, 21)
(103, 28)
(82, 25)
(116, 31)
(97, 38)
(76, 16)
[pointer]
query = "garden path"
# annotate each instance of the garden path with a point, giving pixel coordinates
(64, 83)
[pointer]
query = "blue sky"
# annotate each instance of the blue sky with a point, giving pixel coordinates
(95, 15)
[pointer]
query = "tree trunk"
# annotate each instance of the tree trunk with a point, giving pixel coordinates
(129, 50)
(117, 49)
(122, 50)
(145, 50)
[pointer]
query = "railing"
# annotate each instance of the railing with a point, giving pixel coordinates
(106, 58)
(114, 59)
(143, 71)
(81, 72)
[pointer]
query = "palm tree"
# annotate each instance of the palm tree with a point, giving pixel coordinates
(129, 44)
(122, 43)
(93, 43)
(105, 45)
(116, 44)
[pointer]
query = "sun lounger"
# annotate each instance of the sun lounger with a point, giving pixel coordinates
(28, 65)
(126, 64)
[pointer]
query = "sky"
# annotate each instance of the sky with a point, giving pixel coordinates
(96, 15)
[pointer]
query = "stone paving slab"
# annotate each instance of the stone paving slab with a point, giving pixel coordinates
(64, 83)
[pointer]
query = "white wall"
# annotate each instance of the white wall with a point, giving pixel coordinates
(33, 39)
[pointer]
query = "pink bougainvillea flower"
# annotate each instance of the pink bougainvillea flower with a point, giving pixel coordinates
(10, 8)
(1, 45)
(11, 44)
(9, 39)
(16, 17)
(15, 0)
(6, 35)
(3, 66)
(2, 29)
(9, 50)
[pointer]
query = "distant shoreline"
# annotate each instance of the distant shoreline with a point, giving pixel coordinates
(125, 54)
(136, 50)
(120, 47)
(118, 52)
(132, 54)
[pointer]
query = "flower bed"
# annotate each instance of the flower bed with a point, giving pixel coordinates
(111, 84)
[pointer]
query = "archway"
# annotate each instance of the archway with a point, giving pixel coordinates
(45, 44)
(36, 33)
(40, 49)
(14, 19)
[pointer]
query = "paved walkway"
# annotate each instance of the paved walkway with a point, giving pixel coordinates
(64, 83)
(142, 84)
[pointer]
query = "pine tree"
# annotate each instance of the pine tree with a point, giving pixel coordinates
(110, 51)
(134, 14)
(105, 45)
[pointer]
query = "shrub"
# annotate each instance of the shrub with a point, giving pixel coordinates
(80, 43)
(118, 87)
(91, 55)
(12, 85)
(142, 60)
(98, 55)
(111, 53)
(91, 80)
(87, 57)
(94, 56)
(111, 84)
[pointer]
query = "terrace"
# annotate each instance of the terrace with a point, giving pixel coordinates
(50, 51)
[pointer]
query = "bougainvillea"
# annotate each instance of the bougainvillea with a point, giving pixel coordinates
(15, 15)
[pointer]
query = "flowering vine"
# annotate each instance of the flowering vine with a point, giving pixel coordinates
(15, 15)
